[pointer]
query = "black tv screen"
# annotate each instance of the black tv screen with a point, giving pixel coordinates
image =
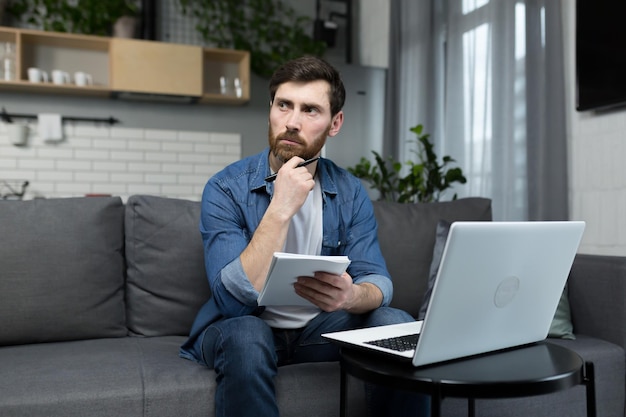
(600, 54)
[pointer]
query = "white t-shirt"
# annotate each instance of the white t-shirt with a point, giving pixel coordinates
(305, 236)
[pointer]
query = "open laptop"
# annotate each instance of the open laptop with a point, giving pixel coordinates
(498, 286)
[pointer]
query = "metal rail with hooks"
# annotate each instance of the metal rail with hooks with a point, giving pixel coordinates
(8, 118)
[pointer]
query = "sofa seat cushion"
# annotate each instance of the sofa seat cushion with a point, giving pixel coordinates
(610, 368)
(608, 360)
(406, 233)
(93, 377)
(128, 376)
(166, 283)
(144, 377)
(62, 275)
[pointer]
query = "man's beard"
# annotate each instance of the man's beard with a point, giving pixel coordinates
(284, 152)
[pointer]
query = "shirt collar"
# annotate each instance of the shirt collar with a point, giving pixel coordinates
(262, 170)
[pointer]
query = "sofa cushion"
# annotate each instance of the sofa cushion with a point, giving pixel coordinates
(562, 326)
(166, 282)
(62, 275)
(609, 369)
(143, 376)
(441, 236)
(406, 233)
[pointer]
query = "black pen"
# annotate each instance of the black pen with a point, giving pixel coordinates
(301, 164)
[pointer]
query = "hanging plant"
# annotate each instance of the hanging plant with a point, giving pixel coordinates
(269, 29)
(425, 182)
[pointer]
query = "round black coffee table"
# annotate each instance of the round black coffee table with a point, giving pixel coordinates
(537, 369)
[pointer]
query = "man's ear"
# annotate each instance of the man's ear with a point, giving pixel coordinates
(335, 124)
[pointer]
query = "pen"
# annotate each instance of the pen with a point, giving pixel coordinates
(301, 164)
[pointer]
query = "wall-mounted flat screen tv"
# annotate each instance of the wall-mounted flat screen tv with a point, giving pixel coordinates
(600, 54)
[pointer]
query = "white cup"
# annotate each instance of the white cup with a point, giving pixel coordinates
(36, 75)
(18, 134)
(82, 78)
(60, 77)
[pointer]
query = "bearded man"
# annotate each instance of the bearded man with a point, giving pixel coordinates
(315, 209)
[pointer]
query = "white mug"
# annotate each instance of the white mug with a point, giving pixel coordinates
(36, 75)
(82, 78)
(60, 77)
(18, 133)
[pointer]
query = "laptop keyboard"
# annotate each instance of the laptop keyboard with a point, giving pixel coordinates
(399, 343)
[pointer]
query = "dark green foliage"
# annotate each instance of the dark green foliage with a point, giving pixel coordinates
(269, 29)
(425, 181)
(91, 17)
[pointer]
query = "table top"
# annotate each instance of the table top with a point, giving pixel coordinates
(535, 369)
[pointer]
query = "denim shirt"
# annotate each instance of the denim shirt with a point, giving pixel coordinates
(233, 204)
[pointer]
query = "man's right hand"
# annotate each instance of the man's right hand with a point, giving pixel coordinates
(291, 187)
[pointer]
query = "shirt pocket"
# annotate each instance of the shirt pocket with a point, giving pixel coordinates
(335, 241)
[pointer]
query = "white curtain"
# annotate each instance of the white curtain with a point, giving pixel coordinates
(485, 77)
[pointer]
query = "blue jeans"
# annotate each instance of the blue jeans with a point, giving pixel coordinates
(246, 353)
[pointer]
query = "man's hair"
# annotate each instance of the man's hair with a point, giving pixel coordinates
(311, 68)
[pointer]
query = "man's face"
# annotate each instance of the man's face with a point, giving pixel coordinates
(300, 120)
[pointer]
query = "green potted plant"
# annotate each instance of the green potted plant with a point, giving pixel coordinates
(424, 182)
(269, 29)
(91, 17)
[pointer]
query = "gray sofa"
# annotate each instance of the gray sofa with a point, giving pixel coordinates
(96, 297)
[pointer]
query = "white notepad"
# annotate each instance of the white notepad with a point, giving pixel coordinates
(287, 267)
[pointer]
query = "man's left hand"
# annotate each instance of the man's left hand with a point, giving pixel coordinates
(337, 292)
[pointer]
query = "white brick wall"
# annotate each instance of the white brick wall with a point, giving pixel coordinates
(597, 151)
(118, 161)
(598, 180)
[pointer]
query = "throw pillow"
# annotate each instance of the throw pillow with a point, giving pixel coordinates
(166, 283)
(443, 228)
(62, 275)
(562, 326)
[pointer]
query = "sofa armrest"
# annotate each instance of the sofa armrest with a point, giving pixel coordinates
(597, 295)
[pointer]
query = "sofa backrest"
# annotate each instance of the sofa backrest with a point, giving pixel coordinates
(166, 283)
(82, 268)
(597, 296)
(406, 233)
(62, 270)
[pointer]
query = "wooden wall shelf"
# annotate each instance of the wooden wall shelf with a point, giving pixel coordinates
(119, 65)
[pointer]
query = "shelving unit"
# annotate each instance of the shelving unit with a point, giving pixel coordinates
(154, 67)
(227, 63)
(126, 66)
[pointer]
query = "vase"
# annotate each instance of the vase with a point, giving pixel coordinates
(124, 27)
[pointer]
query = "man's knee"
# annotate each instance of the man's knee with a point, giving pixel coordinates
(247, 337)
(388, 315)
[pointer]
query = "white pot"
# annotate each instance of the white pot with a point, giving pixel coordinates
(18, 134)
(124, 27)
